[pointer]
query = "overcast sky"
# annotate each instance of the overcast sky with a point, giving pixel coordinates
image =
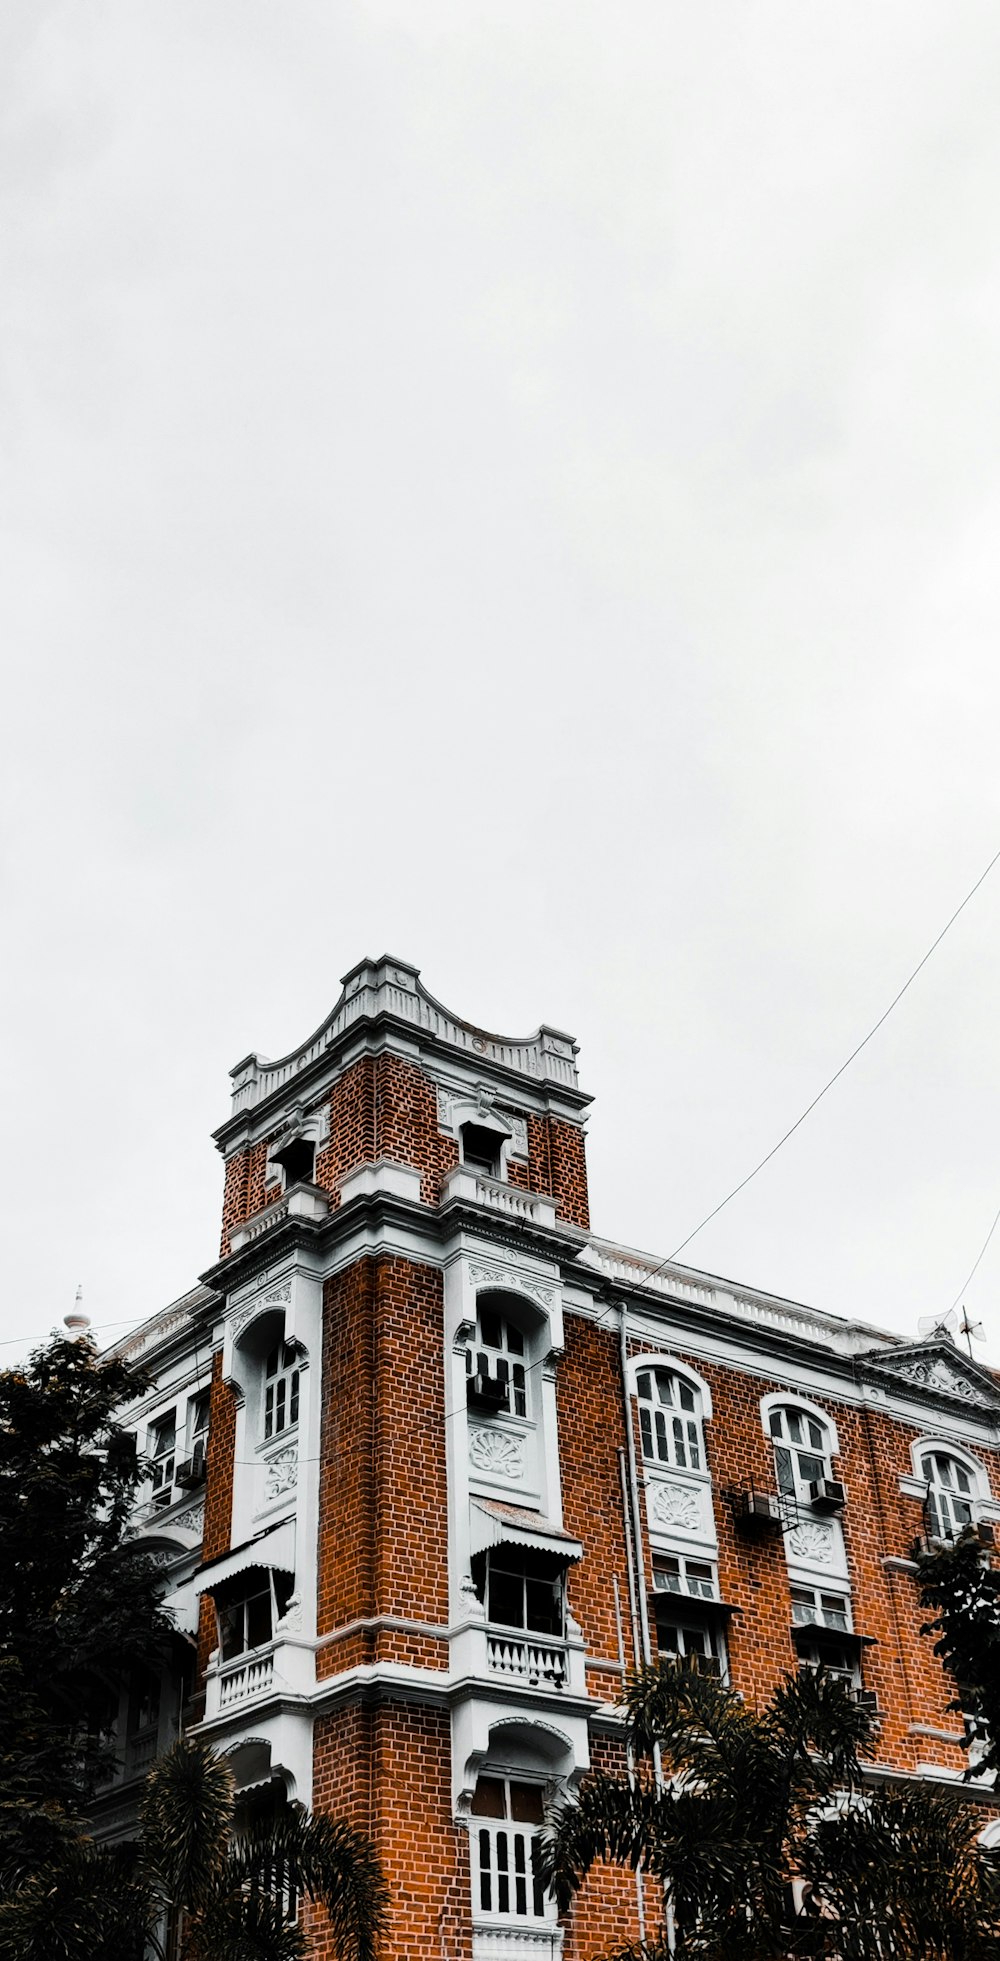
(516, 485)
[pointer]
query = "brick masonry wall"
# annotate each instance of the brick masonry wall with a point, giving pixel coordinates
(604, 1915)
(386, 1107)
(879, 1523)
(383, 1548)
(387, 1770)
(218, 1496)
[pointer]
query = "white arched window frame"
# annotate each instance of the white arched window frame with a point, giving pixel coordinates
(674, 1405)
(953, 1484)
(804, 1439)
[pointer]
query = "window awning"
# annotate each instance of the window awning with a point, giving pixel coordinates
(691, 1603)
(842, 1637)
(496, 1524)
(273, 1548)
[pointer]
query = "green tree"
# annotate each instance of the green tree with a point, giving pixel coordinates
(78, 1599)
(198, 1885)
(962, 1590)
(729, 1806)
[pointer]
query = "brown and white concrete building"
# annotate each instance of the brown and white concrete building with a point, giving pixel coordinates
(434, 1464)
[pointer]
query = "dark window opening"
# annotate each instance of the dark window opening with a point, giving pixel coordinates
(522, 1588)
(482, 1149)
(248, 1609)
(496, 1367)
(297, 1161)
(694, 1643)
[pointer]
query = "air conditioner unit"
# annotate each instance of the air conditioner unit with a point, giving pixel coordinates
(487, 1392)
(986, 1533)
(761, 1508)
(867, 1699)
(192, 1471)
(827, 1495)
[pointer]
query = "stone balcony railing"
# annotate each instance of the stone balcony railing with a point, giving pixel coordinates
(534, 1208)
(284, 1664)
(517, 1657)
(301, 1202)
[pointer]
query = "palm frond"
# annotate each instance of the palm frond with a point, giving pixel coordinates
(89, 1902)
(325, 1858)
(187, 1814)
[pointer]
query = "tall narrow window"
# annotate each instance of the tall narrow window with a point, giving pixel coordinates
(507, 1817)
(670, 1419)
(801, 1450)
(951, 1494)
(161, 1448)
(281, 1390)
(497, 1367)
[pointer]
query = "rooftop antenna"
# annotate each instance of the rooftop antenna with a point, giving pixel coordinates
(78, 1323)
(948, 1323)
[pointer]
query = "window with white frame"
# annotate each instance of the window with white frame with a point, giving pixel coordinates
(248, 1609)
(670, 1419)
(684, 1635)
(951, 1494)
(676, 1573)
(525, 1589)
(497, 1367)
(813, 1607)
(281, 1389)
(801, 1449)
(161, 1449)
(507, 1817)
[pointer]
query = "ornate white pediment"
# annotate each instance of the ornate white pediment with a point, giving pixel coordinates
(938, 1368)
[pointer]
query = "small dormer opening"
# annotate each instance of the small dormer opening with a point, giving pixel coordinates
(297, 1159)
(482, 1149)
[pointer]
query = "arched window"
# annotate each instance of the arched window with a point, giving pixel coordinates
(670, 1419)
(507, 1816)
(951, 1494)
(801, 1449)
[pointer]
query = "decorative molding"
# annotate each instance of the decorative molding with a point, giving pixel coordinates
(487, 1106)
(510, 1278)
(192, 1520)
(282, 1472)
(263, 1304)
(496, 1453)
(938, 1368)
(291, 1619)
(674, 1505)
(811, 1542)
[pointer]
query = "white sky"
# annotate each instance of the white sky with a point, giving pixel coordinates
(515, 485)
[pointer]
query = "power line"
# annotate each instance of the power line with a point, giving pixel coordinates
(810, 1107)
(976, 1262)
(14, 1341)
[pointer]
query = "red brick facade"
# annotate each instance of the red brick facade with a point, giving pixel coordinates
(397, 1468)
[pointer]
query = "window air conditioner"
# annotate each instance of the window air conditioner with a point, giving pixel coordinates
(487, 1392)
(192, 1471)
(761, 1508)
(827, 1495)
(986, 1533)
(867, 1699)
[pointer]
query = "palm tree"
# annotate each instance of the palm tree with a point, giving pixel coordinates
(222, 1892)
(761, 1839)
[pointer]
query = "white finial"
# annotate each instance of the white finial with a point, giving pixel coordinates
(78, 1323)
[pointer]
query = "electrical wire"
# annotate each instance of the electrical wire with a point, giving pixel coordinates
(810, 1107)
(975, 1265)
(134, 1320)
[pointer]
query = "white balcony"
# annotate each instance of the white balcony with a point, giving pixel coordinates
(302, 1202)
(509, 1200)
(284, 1665)
(526, 1658)
(237, 1681)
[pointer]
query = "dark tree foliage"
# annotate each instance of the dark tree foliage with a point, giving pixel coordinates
(958, 1585)
(728, 1806)
(78, 1600)
(199, 1885)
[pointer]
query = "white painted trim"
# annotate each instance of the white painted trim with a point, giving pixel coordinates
(663, 1359)
(785, 1399)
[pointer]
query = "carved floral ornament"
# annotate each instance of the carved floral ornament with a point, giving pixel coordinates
(812, 1542)
(496, 1453)
(674, 1505)
(282, 1472)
